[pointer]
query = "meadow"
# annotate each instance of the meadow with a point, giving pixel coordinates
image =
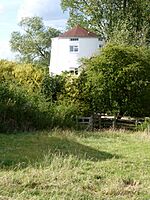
(68, 165)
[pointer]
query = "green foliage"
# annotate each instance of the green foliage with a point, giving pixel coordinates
(105, 16)
(24, 75)
(70, 87)
(33, 45)
(65, 113)
(117, 80)
(124, 34)
(21, 110)
(114, 82)
(144, 126)
(52, 87)
(28, 99)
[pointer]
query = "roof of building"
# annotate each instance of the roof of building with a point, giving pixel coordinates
(78, 31)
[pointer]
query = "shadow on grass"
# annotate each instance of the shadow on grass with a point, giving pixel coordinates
(26, 150)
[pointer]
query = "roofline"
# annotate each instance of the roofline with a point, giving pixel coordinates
(78, 37)
(78, 31)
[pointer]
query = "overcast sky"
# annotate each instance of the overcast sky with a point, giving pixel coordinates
(11, 12)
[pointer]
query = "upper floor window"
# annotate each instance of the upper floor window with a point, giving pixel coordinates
(100, 39)
(74, 39)
(74, 48)
(74, 71)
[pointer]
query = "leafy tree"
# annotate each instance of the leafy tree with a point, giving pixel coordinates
(117, 81)
(52, 87)
(33, 45)
(31, 99)
(103, 16)
(25, 75)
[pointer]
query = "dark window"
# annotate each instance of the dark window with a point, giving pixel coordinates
(100, 39)
(74, 48)
(74, 39)
(76, 71)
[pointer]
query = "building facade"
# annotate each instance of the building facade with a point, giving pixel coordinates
(70, 47)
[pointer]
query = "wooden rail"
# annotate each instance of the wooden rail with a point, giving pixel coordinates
(102, 122)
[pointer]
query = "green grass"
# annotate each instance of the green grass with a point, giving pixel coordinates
(73, 166)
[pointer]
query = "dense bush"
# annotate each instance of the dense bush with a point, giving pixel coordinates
(52, 87)
(28, 99)
(25, 75)
(21, 111)
(65, 114)
(117, 81)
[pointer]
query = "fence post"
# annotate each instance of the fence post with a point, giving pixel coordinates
(148, 129)
(114, 122)
(136, 123)
(91, 122)
(147, 121)
(100, 125)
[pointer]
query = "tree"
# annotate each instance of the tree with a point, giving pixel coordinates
(103, 16)
(117, 81)
(33, 45)
(28, 76)
(52, 87)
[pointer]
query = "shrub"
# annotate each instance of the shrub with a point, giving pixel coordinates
(65, 115)
(21, 111)
(117, 80)
(29, 99)
(25, 75)
(52, 87)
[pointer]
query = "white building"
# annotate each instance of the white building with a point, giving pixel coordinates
(68, 48)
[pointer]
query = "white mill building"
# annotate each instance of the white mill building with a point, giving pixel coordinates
(68, 48)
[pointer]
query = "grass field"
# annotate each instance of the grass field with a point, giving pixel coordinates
(74, 166)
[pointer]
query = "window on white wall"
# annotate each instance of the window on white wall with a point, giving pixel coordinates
(74, 48)
(74, 71)
(74, 39)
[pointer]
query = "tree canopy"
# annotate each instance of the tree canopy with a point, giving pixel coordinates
(33, 44)
(117, 81)
(103, 16)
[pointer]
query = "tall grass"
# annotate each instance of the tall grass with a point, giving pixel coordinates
(75, 165)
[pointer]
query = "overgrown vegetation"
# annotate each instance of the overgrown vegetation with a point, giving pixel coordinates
(115, 82)
(59, 164)
(75, 165)
(28, 102)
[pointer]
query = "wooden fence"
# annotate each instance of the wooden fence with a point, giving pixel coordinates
(96, 122)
